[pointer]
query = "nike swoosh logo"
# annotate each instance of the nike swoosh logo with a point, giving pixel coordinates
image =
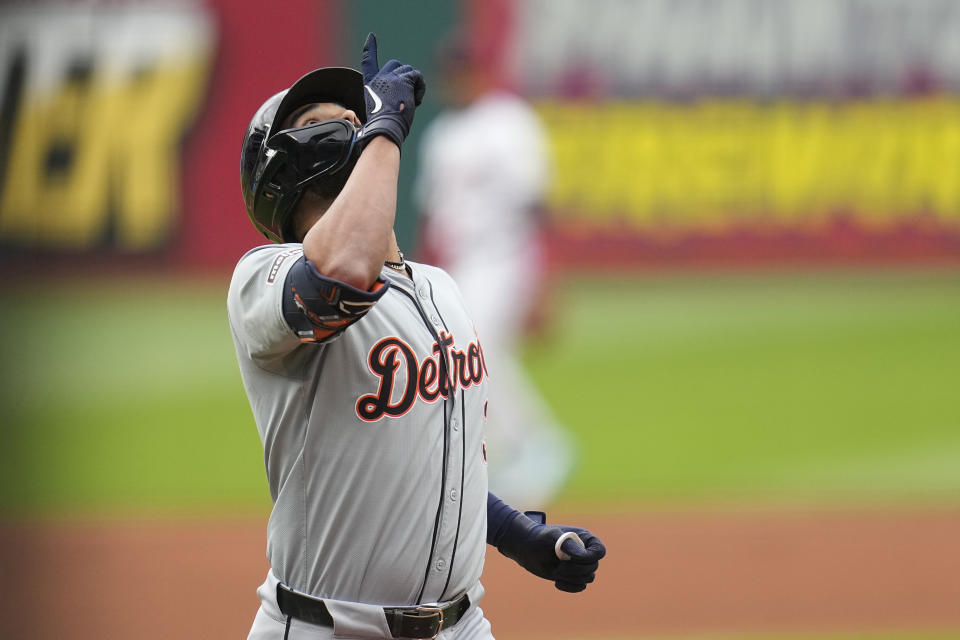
(376, 99)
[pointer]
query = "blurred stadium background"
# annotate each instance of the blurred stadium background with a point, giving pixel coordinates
(753, 325)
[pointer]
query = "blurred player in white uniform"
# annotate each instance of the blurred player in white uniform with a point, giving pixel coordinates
(485, 166)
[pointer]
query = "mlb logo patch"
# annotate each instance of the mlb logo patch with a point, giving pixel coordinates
(275, 268)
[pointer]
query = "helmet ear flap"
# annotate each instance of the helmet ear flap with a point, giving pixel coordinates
(274, 203)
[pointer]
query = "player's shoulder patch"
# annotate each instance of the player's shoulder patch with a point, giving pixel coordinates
(278, 262)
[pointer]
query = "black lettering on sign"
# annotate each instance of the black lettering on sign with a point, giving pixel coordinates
(89, 146)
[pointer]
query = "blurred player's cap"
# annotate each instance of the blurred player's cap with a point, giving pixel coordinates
(330, 84)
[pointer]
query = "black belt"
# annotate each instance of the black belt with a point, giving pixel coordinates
(404, 622)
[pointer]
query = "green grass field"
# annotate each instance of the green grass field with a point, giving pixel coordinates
(815, 386)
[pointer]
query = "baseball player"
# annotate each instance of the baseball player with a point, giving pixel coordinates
(367, 383)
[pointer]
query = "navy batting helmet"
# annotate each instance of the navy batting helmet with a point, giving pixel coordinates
(275, 170)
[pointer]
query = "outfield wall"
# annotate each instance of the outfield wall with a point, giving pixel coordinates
(122, 122)
(743, 130)
(682, 132)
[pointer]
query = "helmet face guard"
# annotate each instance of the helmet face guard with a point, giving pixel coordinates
(304, 154)
(292, 159)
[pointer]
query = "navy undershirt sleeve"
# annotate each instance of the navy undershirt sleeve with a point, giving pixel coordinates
(499, 517)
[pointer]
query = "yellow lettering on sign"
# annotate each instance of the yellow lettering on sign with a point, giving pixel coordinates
(97, 153)
(147, 152)
(714, 163)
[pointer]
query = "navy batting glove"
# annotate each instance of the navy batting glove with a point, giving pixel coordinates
(533, 546)
(392, 93)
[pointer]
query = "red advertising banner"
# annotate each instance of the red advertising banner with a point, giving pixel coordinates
(679, 131)
(686, 132)
(122, 123)
(259, 53)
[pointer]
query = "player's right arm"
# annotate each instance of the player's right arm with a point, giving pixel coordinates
(350, 241)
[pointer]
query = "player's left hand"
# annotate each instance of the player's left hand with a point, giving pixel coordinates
(533, 547)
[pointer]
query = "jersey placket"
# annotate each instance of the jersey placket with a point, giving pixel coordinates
(446, 531)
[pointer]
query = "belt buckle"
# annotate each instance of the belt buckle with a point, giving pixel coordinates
(420, 612)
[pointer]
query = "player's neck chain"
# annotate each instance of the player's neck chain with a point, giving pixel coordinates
(399, 266)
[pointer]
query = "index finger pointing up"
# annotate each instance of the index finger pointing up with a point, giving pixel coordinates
(369, 65)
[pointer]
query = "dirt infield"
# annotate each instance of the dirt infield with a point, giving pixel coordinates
(666, 573)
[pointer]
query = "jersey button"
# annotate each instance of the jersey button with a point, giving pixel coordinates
(454, 495)
(422, 293)
(455, 424)
(441, 563)
(435, 319)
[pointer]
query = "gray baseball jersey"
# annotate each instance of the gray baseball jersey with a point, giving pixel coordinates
(375, 462)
